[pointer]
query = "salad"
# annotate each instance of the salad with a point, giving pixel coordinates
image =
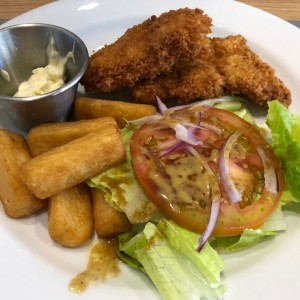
(201, 180)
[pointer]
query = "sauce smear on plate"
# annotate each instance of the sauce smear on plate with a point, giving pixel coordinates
(103, 262)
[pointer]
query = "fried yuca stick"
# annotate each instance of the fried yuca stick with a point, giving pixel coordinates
(70, 164)
(88, 108)
(109, 222)
(17, 199)
(70, 216)
(70, 213)
(45, 137)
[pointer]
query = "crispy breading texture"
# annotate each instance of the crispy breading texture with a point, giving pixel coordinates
(147, 49)
(72, 163)
(18, 201)
(195, 81)
(246, 74)
(70, 216)
(88, 108)
(45, 137)
(188, 80)
(227, 66)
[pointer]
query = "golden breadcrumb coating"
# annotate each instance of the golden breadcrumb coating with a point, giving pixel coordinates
(246, 74)
(227, 66)
(147, 49)
(196, 81)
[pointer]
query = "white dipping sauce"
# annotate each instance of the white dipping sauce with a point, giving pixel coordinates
(46, 79)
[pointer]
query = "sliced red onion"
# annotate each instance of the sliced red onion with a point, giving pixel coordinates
(169, 147)
(215, 205)
(182, 133)
(208, 102)
(188, 124)
(147, 119)
(165, 145)
(214, 214)
(195, 129)
(173, 149)
(270, 176)
(162, 107)
(178, 107)
(191, 105)
(199, 118)
(189, 136)
(223, 165)
(211, 127)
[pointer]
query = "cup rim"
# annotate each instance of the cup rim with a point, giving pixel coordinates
(68, 84)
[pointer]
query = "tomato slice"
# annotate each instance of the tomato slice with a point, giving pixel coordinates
(181, 185)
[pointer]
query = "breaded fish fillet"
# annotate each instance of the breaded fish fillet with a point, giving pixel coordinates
(228, 66)
(246, 74)
(194, 81)
(147, 49)
(187, 80)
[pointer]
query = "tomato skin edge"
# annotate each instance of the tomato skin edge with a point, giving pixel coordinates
(232, 220)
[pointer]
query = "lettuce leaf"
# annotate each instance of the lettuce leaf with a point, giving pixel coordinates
(122, 190)
(250, 237)
(237, 106)
(172, 270)
(208, 261)
(128, 243)
(285, 128)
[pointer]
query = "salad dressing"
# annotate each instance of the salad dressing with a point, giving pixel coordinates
(189, 183)
(116, 184)
(103, 262)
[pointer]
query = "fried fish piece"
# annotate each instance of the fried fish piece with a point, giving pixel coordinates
(72, 163)
(70, 216)
(88, 108)
(18, 201)
(188, 80)
(246, 74)
(147, 49)
(194, 81)
(45, 137)
(228, 66)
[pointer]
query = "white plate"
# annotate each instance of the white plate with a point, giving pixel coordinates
(33, 267)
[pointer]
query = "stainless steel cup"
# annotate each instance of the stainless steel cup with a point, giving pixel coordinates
(22, 49)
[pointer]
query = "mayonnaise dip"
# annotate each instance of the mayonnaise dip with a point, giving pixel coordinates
(46, 79)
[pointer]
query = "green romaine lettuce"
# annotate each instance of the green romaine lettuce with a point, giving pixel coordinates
(208, 261)
(128, 244)
(285, 128)
(177, 272)
(122, 190)
(251, 237)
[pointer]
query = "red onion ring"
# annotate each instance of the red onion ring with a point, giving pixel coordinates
(215, 205)
(182, 133)
(162, 107)
(147, 119)
(270, 176)
(173, 149)
(214, 213)
(211, 128)
(223, 165)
